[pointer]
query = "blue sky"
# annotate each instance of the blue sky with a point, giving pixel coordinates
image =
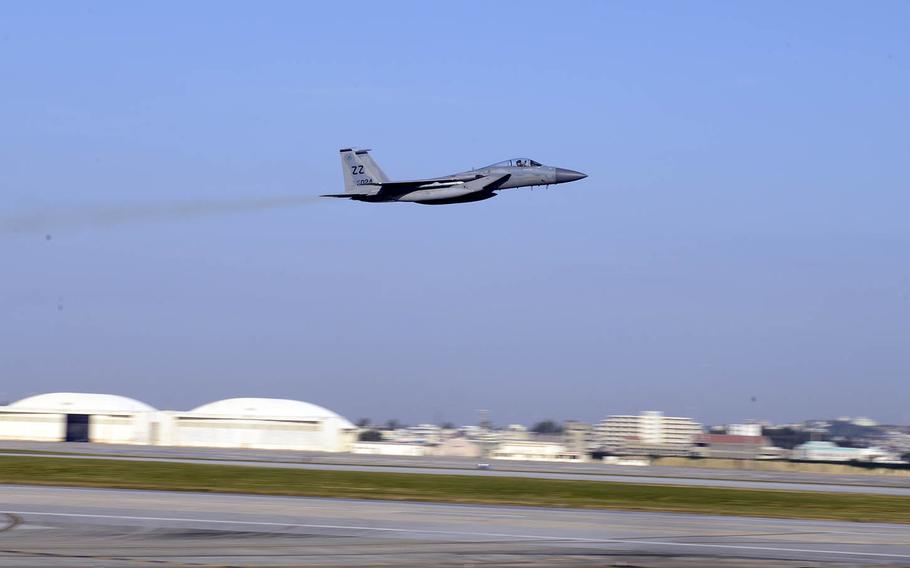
(743, 232)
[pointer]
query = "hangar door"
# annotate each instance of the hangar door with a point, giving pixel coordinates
(77, 427)
(240, 433)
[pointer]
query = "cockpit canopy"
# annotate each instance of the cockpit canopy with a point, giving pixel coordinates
(517, 163)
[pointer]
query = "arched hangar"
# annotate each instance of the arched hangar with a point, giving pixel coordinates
(78, 417)
(262, 423)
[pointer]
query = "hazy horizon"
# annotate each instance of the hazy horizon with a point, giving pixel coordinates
(740, 249)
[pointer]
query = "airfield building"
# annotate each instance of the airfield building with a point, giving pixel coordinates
(831, 452)
(78, 417)
(261, 423)
(258, 423)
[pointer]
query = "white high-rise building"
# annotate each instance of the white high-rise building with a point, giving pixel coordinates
(650, 427)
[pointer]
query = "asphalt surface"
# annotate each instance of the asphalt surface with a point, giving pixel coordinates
(738, 479)
(53, 526)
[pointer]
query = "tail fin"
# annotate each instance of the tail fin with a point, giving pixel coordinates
(362, 175)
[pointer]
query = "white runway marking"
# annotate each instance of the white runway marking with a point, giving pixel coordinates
(470, 534)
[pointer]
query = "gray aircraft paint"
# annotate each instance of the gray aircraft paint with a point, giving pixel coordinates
(364, 180)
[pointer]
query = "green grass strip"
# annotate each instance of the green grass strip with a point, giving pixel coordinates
(451, 489)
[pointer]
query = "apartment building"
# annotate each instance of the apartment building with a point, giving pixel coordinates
(647, 428)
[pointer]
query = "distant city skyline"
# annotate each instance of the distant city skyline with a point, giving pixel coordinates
(383, 421)
(740, 249)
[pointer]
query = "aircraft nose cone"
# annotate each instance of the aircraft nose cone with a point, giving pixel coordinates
(563, 175)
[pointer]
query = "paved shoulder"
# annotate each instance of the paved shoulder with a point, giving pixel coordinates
(174, 528)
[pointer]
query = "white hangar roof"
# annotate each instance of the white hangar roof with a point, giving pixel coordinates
(81, 403)
(267, 408)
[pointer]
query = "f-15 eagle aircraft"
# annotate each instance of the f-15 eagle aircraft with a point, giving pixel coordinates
(364, 180)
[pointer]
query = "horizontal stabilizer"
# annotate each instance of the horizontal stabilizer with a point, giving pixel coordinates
(348, 195)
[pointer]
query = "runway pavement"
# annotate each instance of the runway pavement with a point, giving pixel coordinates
(613, 478)
(661, 475)
(53, 526)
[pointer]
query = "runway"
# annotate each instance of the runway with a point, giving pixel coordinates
(52, 526)
(658, 475)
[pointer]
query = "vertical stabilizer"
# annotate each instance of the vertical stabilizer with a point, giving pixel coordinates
(371, 166)
(361, 173)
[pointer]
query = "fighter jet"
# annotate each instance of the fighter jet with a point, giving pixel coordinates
(364, 180)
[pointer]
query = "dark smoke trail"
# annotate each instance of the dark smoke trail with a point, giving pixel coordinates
(48, 221)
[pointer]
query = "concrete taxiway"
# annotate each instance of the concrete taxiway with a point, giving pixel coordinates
(52, 526)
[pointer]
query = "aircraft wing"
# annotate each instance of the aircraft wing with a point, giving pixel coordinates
(454, 185)
(446, 190)
(432, 183)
